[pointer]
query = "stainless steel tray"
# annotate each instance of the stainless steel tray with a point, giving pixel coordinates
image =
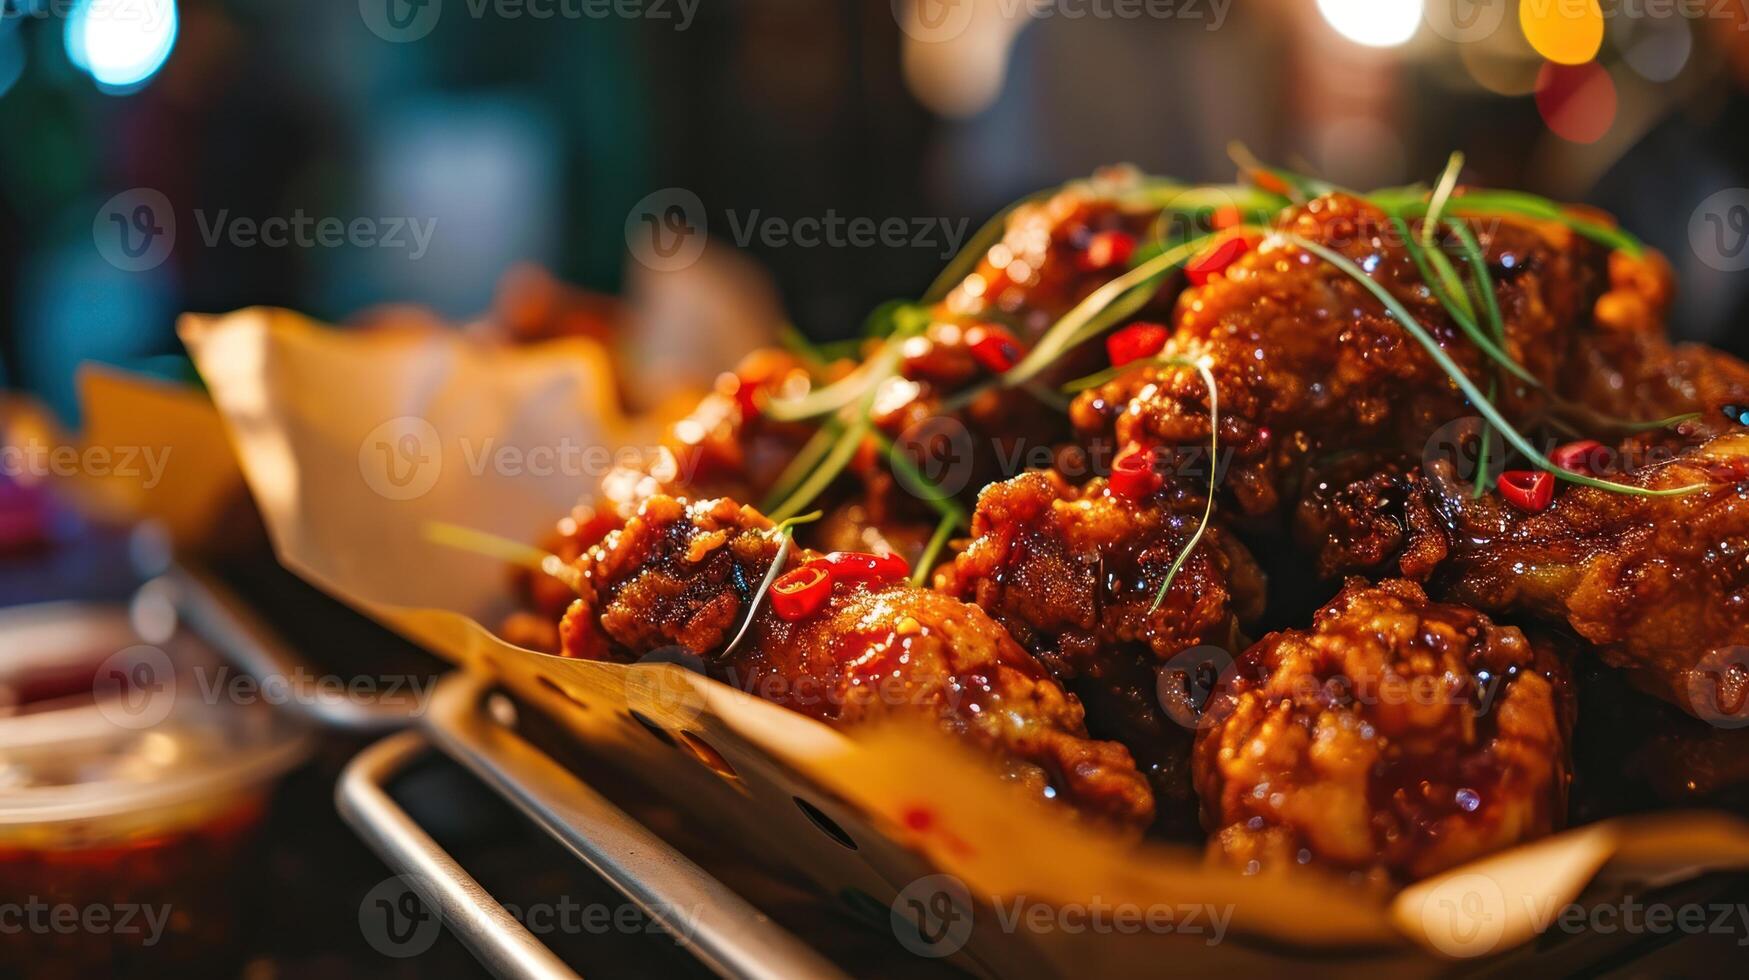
(721, 930)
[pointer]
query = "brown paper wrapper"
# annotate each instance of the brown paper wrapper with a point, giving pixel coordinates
(353, 443)
(150, 450)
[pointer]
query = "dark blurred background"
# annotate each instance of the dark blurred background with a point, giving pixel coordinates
(527, 131)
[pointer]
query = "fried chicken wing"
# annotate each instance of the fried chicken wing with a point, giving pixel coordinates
(1305, 360)
(1659, 585)
(1394, 739)
(1072, 572)
(684, 574)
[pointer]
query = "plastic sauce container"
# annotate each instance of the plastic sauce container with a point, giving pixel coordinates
(131, 787)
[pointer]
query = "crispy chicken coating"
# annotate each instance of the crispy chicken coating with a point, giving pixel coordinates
(1072, 574)
(684, 574)
(1659, 585)
(1307, 361)
(1393, 739)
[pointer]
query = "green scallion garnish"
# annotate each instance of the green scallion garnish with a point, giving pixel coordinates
(932, 551)
(1468, 387)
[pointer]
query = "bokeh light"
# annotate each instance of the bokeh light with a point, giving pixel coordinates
(121, 45)
(1577, 102)
(1566, 32)
(1657, 48)
(1374, 23)
(11, 57)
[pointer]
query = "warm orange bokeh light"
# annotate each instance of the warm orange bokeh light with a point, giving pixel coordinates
(1566, 32)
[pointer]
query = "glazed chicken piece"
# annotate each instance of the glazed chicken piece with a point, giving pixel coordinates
(1628, 369)
(1072, 574)
(1392, 740)
(1659, 585)
(1306, 361)
(1053, 252)
(682, 574)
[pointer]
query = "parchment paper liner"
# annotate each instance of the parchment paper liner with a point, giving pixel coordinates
(303, 405)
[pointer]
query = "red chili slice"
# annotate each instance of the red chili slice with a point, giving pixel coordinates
(1585, 456)
(1108, 249)
(1270, 182)
(861, 566)
(1218, 258)
(801, 593)
(1133, 475)
(993, 347)
(1134, 342)
(1531, 491)
(747, 397)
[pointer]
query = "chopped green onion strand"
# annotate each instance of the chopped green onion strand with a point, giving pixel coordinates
(1304, 187)
(1450, 281)
(857, 383)
(1483, 281)
(804, 462)
(797, 343)
(504, 550)
(1464, 320)
(783, 530)
(1487, 446)
(1482, 203)
(1441, 194)
(832, 465)
(838, 394)
(937, 542)
(1604, 421)
(1100, 309)
(1480, 275)
(938, 500)
(1492, 414)
(1208, 509)
(1046, 396)
(986, 238)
